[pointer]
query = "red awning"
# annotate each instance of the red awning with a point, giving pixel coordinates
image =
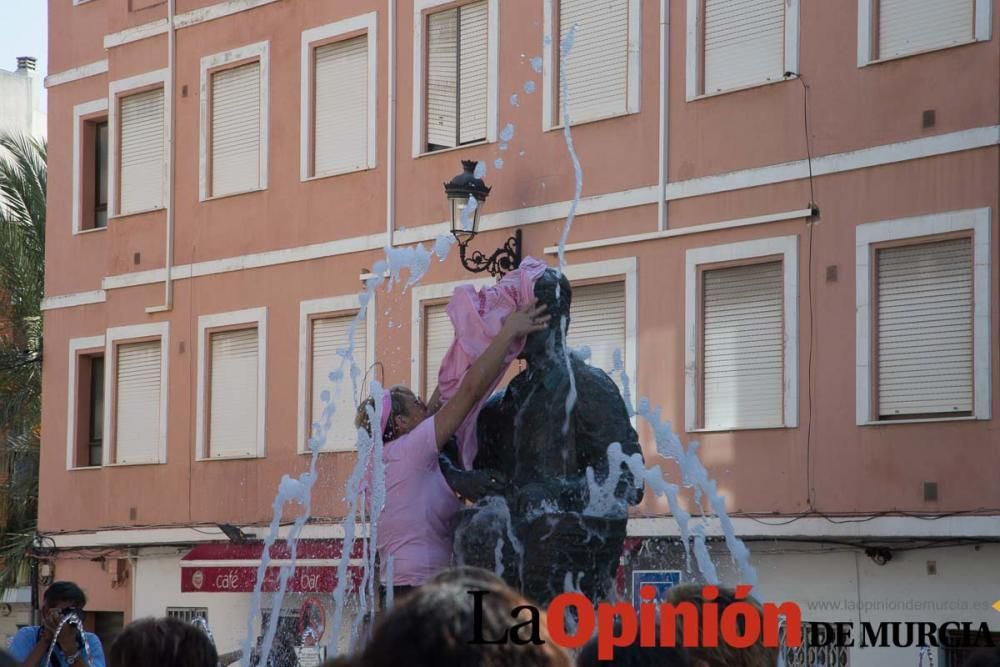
(232, 568)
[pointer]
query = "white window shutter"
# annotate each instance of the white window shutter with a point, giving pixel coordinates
(473, 71)
(137, 401)
(743, 368)
(235, 129)
(597, 321)
(234, 389)
(143, 151)
(909, 26)
(925, 311)
(341, 99)
(744, 43)
(329, 335)
(597, 64)
(442, 78)
(438, 335)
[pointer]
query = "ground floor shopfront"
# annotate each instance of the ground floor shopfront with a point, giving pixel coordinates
(939, 574)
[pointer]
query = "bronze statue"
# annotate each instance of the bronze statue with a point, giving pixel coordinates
(536, 459)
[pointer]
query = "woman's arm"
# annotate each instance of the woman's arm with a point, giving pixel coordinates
(480, 376)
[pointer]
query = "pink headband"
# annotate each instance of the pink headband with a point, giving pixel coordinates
(386, 409)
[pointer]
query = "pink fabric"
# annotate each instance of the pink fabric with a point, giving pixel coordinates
(478, 318)
(415, 525)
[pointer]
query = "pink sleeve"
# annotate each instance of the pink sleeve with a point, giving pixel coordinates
(416, 449)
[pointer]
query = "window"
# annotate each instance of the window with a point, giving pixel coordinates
(741, 319)
(438, 335)
(234, 115)
(188, 614)
(890, 29)
(90, 166)
(602, 67)
(143, 152)
(338, 97)
(597, 321)
(135, 418)
(923, 322)
(85, 406)
(924, 329)
(100, 165)
(231, 384)
(455, 74)
(733, 45)
(742, 347)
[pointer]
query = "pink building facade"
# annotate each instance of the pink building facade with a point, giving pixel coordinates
(787, 230)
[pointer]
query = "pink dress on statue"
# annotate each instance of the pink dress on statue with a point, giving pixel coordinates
(477, 317)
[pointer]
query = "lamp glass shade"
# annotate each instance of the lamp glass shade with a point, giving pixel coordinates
(465, 213)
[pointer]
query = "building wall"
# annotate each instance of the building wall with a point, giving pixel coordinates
(20, 102)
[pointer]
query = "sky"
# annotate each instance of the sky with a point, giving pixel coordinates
(24, 32)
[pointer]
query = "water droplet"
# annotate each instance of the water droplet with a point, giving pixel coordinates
(529, 87)
(498, 163)
(480, 170)
(507, 133)
(536, 63)
(513, 100)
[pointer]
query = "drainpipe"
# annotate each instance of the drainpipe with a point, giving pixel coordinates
(390, 197)
(168, 285)
(661, 200)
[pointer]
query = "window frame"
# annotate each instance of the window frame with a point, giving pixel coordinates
(785, 248)
(313, 39)
(216, 323)
(310, 310)
(78, 348)
(695, 51)
(869, 237)
(85, 115)
(210, 66)
(421, 9)
(551, 114)
(868, 28)
(117, 90)
(137, 333)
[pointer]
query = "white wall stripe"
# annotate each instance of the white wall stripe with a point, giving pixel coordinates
(74, 299)
(77, 73)
(185, 20)
(942, 144)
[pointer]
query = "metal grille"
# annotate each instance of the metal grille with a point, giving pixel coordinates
(188, 614)
(815, 656)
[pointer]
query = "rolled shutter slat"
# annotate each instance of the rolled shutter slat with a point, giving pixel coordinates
(924, 320)
(442, 78)
(142, 151)
(341, 99)
(236, 129)
(329, 337)
(597, 321)
(908, 26)
(744, 43)
(743, 358)
(234, 386)
(474, 72)
(137, 431)
(438, 335)
(597, 64)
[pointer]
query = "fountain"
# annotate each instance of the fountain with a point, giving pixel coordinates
(557, 526)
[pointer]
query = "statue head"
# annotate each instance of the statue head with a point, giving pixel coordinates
(546, 288)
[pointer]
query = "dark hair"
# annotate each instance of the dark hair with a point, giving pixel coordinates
(435, 625)
(470, 577)
(984, 658)
(7, 660)
(634, 655)
(65, 591)
(164, 642)
(362, 420)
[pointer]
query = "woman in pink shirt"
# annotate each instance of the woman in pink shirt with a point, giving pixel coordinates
(415, 526)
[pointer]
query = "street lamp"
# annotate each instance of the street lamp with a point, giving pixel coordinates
(466, 196)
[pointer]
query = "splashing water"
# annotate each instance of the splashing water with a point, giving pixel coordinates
(529, 87)
(507, 133)
(536, 63)
(513, 100)
(480, 170)
(467, 216)
(498, 163)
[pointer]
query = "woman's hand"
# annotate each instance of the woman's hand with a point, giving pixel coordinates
(525, 320)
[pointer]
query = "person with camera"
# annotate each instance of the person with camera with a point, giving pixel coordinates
(31, 645)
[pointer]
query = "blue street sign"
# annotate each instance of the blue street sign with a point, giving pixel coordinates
(661, 580)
